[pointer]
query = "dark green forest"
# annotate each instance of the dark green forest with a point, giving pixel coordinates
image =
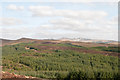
(60, 61)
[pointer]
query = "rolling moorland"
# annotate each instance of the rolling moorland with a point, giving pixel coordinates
(57, 59)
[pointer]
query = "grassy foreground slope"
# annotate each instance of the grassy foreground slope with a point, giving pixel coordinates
(60, 60)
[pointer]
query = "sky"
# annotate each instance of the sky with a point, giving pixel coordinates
(60, 19)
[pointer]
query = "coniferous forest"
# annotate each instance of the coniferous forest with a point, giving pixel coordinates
(61, 61)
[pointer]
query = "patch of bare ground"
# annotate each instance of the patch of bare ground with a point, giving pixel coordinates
(27, 48)
(13, 76)
(40, 51)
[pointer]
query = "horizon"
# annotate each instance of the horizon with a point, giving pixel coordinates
(56, 38)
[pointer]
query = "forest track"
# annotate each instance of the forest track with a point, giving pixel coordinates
(13, 76)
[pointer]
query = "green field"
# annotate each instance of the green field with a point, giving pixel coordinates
(61, 61)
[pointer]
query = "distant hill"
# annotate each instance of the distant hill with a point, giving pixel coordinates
(12, 42)
(89, 40)
(74, 40)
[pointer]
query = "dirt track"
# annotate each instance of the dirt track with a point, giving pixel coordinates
(12, 76)
(19, 79)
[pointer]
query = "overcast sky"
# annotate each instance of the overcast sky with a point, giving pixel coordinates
(43, 20)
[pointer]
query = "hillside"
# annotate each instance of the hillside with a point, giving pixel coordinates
(83, 42)
(60, 59)
(12, 42)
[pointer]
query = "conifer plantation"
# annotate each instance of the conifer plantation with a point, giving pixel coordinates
(62, 60)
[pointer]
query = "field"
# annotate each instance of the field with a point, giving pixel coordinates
(61, 60)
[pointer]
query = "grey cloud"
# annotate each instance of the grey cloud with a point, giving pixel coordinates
(10, 21)
(14, 7)
(75, 25)
(45, 11)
